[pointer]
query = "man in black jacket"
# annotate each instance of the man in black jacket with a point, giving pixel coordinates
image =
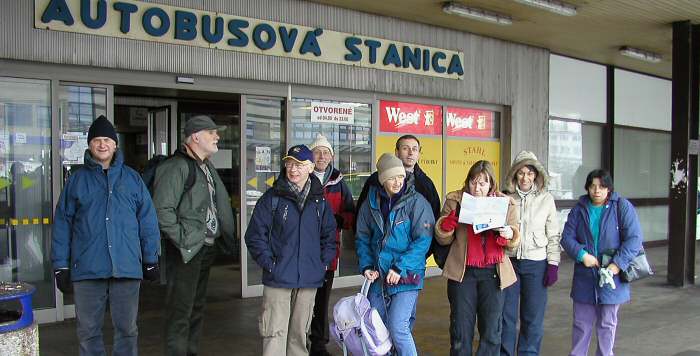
(408, 150)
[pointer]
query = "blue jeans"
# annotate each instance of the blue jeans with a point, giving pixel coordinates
(530, 293)
(399, 314)
(479, 296)
(91, 298)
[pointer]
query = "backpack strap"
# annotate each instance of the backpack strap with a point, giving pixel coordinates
(275, 203)
(191, 175)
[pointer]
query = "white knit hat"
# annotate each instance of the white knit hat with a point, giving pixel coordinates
(389, 166)
(322, 141)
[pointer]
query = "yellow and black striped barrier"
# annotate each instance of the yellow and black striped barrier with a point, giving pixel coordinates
(24, 221)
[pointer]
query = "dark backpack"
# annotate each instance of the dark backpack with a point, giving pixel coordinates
(149, 173)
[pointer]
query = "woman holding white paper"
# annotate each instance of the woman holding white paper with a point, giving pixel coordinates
(536, 260)
(477, 268)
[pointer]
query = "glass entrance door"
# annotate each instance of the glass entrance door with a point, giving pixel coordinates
(265, 144)
(79, 105)
(25, 186)
(159, 131)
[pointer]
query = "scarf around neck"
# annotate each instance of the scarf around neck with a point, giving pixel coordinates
(300, 193)
(484, 249)
(522, 194)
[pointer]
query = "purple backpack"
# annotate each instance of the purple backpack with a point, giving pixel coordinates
(358, 328)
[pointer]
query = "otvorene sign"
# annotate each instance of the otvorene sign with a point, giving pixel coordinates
(139, 20)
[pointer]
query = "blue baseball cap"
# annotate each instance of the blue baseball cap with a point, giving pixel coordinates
(301, 154)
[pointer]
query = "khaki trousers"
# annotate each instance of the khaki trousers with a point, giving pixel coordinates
(285, 320)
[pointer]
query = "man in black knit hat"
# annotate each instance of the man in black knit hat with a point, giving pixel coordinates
(104, 227)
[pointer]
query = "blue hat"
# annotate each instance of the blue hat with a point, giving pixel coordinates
(301, 154)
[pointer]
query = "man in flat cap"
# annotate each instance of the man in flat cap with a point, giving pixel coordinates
(191, 220)
(105, 240)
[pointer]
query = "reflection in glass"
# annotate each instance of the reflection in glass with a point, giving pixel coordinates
(654, 221)
(353, 157)
(351, 143)
(642, 161)
(78, 107)
(25, 186)
(574, 150)
(265, 146)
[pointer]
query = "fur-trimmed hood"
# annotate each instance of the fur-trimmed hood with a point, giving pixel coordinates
(525, 158)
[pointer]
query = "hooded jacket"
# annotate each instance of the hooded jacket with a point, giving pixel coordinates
(105, 225)
(455, 265)
(399, 242)
(539, 221)
(294, 247)
(623, 235)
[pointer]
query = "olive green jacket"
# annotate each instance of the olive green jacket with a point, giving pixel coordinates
(182, 215)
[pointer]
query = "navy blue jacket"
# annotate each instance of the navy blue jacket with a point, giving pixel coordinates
(398, 242)
(293, 247)
(105, 225)
(624, 237)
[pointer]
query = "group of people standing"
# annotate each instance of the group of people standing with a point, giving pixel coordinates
(107, 235)
(497, 279)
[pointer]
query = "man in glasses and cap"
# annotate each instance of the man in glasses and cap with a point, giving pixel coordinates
(291, 235)
(191, 220)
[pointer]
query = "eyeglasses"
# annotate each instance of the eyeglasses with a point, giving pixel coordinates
(295, 165)
(409, 148)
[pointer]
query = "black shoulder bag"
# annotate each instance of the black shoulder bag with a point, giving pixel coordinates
(639, 267)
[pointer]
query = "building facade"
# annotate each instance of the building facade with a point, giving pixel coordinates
(275, 73)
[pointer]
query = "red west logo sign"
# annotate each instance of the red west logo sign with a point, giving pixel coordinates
(400, 117)
(469, 122)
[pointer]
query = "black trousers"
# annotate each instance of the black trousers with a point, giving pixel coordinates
(318, 333)
(185, 299)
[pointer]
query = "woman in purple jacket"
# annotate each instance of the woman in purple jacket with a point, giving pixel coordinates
(601, 224)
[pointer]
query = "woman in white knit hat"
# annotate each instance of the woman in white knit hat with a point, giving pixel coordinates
(394, 231)
(536, 260)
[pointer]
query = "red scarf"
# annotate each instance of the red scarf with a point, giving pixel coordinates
(489, 253)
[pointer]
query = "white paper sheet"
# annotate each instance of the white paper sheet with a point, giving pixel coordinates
(483, 213)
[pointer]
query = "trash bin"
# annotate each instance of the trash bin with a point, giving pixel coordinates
(19, 334)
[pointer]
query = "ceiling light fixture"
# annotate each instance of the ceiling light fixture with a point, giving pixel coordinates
(477, 14)
(554, 6)
(640, 54)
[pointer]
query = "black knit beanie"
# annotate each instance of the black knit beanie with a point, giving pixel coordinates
(101, 127)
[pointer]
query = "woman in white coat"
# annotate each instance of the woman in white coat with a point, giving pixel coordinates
(535, 261)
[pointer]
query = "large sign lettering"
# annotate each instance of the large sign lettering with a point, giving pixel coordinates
(169, 24)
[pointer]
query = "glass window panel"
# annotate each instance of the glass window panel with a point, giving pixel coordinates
(351, 143)
(577, 89)
(25, 186)
(353, 151)
(265, 146)
(642, 161)
(574, 150)
(77, 113)
(642, 100)
(654, 220)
